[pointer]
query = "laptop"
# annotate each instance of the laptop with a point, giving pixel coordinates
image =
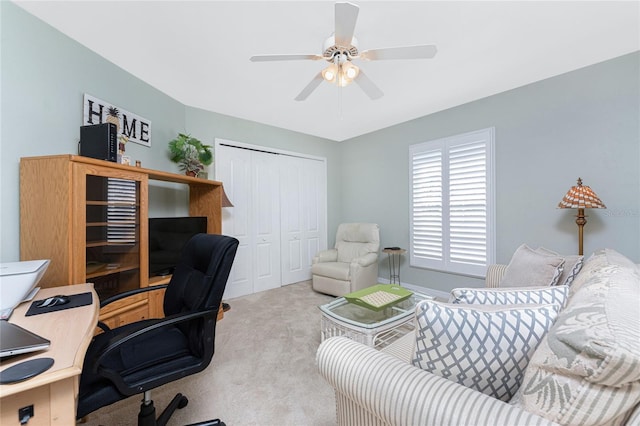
(16, 340)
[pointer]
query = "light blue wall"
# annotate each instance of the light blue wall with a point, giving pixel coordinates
(581, 124)
(584, 123)
(44, 75)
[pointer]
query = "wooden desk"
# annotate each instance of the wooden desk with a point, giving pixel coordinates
(53, 393)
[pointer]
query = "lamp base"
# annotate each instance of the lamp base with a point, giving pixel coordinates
(581, 221)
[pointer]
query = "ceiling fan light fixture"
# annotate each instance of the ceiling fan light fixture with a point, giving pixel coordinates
(341, 48)
(346, 73)
(350, 71)
(329, 73)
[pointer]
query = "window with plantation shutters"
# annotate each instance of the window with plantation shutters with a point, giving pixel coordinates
(452, 203)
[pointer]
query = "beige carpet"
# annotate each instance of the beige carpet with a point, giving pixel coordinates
(263, 371)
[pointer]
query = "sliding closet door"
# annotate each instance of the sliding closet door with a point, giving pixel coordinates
(235, 172)
(266, 220)
(279, 216)
(302, 207)
(252, 183)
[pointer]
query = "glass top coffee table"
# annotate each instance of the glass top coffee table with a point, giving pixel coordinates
(373, 328)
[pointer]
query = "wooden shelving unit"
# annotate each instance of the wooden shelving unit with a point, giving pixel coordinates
(64, 217)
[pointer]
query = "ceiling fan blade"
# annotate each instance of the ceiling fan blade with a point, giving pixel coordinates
(313, 84)
(423, 51)
(346, 16)
(368, 86)
(265, 58)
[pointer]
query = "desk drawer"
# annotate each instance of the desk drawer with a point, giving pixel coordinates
(53, 404)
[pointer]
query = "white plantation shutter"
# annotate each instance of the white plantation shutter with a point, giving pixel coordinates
(452, 203)
(468, 203)
(427, 204)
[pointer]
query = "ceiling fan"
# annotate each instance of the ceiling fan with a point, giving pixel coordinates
(341, 48)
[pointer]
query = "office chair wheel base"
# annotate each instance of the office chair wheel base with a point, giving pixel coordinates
(214, 422)
(183, 402)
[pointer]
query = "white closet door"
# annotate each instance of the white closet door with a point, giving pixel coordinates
(302, 200)
(279, 216)
(235, 172)
(266, 220)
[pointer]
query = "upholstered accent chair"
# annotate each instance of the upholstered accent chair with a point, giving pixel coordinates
(353, 263)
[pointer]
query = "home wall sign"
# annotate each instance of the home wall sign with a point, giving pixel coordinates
(134, 127)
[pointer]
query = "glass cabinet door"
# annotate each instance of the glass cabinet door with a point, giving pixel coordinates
(112, 234)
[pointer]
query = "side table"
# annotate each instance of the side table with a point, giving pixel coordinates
(394, 253)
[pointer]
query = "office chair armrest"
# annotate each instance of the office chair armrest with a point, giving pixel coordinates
(124, 294)
(129, 293)
(120, 339)
(117, 341)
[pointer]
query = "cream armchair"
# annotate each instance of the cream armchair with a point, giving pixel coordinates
(353, 263)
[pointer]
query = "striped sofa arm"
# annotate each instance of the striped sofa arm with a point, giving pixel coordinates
(374, 388)
(634, 418)
(495, 273)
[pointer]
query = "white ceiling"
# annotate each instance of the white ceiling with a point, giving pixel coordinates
(198, 52)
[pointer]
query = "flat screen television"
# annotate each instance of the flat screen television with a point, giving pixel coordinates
(167, 238)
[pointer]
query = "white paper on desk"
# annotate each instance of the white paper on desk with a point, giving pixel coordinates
(5, 314)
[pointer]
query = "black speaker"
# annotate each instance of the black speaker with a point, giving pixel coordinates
(99, 141)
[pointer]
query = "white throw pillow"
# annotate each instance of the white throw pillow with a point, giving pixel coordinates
(528, 268)
(556, 295)
(483, 347)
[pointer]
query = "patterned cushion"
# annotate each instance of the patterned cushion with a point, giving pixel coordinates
(528, 268)
(572, 265)
(557, 295)
(587, 370)
(483, 347)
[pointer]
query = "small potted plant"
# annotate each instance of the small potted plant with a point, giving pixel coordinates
(190, 154)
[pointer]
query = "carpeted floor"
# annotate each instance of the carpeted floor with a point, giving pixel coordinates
(263, 371)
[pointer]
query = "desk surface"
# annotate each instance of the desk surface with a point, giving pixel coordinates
(69, 330)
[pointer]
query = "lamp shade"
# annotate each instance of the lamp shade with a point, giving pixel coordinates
(581, 197)
(225, 200)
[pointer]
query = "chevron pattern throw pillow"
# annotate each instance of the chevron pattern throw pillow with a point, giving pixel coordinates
(557, 295)
(483, 347)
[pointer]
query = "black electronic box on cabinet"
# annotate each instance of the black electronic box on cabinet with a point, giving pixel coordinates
(99, 141)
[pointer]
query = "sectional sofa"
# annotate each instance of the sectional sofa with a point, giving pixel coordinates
(585, 370)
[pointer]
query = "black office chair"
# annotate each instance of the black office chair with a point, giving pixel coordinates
(138, 357)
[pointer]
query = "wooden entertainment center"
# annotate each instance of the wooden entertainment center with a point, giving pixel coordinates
(90, 217)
